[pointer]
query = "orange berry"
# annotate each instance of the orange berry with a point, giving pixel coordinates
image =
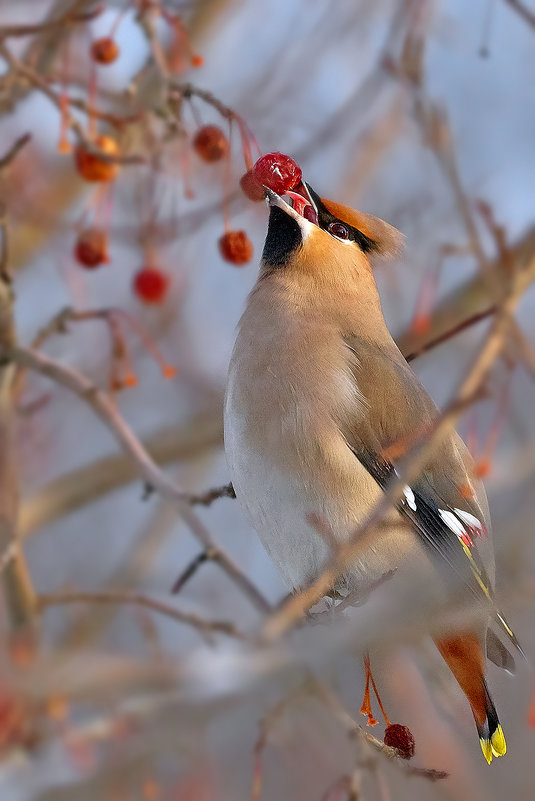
(236, 247)
(104, 50)
(197, 60)
(91, 166)
(482, 468)
(91, 248)
(210, 143)
(251, 188)
(151, 285)
(57, 707)
(130, 380)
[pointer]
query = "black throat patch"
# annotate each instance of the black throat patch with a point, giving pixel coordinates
(283, 238)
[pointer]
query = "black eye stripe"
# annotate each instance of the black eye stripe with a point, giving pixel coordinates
(326, 219)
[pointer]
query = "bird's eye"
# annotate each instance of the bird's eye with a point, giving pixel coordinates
(339, 230)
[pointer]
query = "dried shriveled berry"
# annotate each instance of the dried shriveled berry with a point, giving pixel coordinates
(151, 285)
(104, 50)
(400, 737)
(251, 188)
(91, 248)
(236, 247)
(91, 166)
(278, 172)
(210, 143)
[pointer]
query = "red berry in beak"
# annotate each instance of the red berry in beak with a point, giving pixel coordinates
(236, 247)
(210, 143)
(278, 172)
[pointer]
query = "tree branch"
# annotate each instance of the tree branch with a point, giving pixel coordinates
(18, 587)
(205, 627)
(148, 470)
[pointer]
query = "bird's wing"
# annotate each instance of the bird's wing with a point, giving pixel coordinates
(445, 506)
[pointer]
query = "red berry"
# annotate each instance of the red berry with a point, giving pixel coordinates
(91, 166)
(236, 247)
(278, 172)
(151, 285)
(197, 60)
(250, 187)
(104, 50)
(210, 143)
(91, 248)
(400, 737)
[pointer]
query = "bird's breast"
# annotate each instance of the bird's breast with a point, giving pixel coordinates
(292, 471)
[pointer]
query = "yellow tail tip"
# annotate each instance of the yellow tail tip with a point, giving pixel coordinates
(497, 742)
(487, 749)
(496, 746)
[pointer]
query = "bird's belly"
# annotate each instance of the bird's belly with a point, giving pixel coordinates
(299, 514)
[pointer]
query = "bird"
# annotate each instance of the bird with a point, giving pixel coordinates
(319, 406)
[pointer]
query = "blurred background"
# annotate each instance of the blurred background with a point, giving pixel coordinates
(418, 111)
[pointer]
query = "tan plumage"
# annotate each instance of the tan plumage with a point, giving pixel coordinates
(316, 378)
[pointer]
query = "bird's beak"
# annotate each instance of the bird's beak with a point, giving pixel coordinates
(300, 205)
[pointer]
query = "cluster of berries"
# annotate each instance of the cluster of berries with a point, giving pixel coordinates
(98, 161)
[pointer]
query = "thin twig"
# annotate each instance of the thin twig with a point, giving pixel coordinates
(526, 13)
(41, 84)
(206, 627)
(191, 569)
(42, 27)
(468, 322)
(148, 470)
(211, 495)
(14, 150)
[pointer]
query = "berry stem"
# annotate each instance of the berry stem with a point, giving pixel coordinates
(369, 678)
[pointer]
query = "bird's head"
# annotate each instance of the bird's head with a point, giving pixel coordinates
(311, 234)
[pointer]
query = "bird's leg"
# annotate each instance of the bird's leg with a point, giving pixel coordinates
(366, 707)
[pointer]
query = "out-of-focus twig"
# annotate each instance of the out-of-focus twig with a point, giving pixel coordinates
(60, 22)
(14, 150)
(31, 76)
(155, 478)
(205, 627)
(522, 10)
(18, 587)
(197, 436)
(468, 322)
(475, 297)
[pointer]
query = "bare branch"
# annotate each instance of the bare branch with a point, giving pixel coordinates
(107, 411)
(524, 12)
(14, 150)
(17, 583)
(51, 24)
(205, 627)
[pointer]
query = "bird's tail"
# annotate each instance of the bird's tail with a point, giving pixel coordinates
(465, 657)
